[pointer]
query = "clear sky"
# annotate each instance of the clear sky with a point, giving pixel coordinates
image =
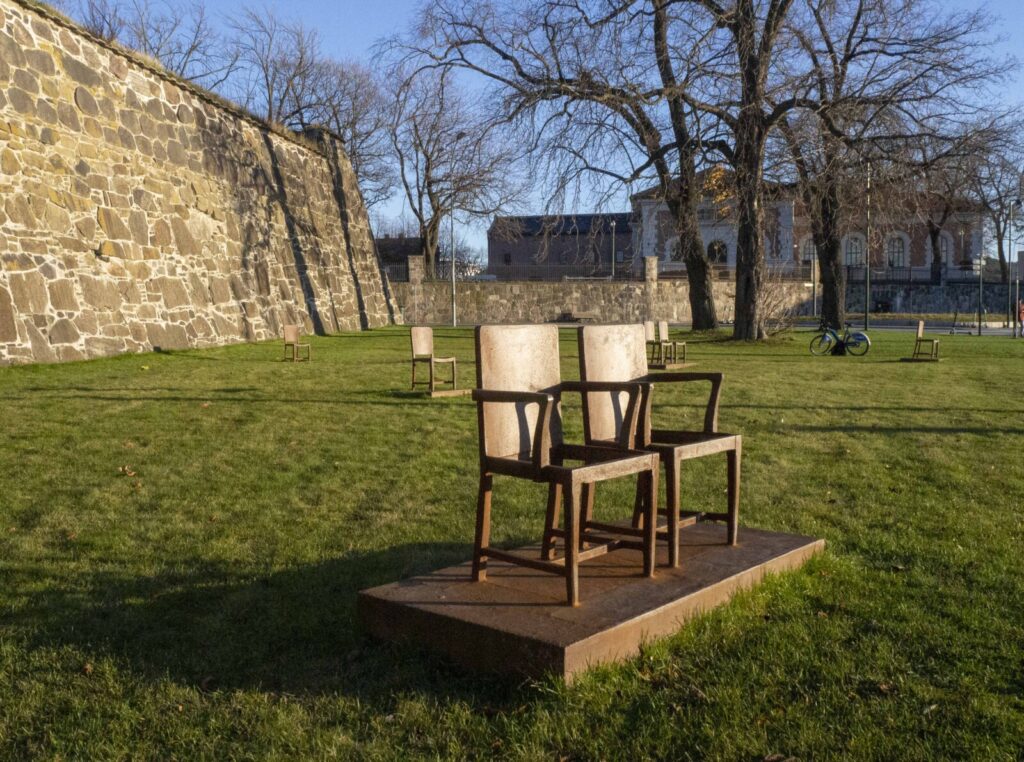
(349, 29)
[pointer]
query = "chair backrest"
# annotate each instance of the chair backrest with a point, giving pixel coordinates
(920, 329)
(609, 353)
(663, 330)
(422, 341)
(291, 334)
(517, 358)
(649, 330)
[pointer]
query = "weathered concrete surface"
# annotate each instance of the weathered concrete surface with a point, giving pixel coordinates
(136, 211)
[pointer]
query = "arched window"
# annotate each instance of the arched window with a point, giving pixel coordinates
(896, 251)
(854, 254)
(718, 252)
(810, 250)
(945, 250)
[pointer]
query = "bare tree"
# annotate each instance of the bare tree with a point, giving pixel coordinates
(881, 72)
(104, 18)
(995, 182)
(598, 89)
(280, 66)
(451, 158)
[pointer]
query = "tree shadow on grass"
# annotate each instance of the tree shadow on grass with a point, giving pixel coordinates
(293, 631)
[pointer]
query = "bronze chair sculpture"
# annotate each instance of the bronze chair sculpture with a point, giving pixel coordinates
(423, 353)
(293, 343)
(617, 353)
(920, 342)
(520, 427)
(670, 349)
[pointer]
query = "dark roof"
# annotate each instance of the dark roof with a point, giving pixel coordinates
(557, 224)
(398, 248)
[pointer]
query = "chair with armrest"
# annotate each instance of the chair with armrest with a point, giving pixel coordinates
(520, 428)
(617, 353)
(293, 344)
(423, 353)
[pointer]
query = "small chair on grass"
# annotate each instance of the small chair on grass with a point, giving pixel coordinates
(423, 353)
(293, 344)
(520, 428)
(615, 353)
(924, 349)
(670, 348)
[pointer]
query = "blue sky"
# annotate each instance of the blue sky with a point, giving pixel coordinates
(349, 29)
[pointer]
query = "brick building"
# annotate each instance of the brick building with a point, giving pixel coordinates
(553, 247)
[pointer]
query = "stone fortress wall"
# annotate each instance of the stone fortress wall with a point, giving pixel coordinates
(138, 212)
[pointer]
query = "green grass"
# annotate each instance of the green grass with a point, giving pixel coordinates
(203, 606)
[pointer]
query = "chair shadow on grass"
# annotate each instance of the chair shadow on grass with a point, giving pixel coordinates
(293, 631)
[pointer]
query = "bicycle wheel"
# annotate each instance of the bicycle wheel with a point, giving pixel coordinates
(858, 344)
(822, 344)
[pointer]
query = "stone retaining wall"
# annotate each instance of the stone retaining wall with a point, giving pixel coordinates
(429, 302)
(137, 211)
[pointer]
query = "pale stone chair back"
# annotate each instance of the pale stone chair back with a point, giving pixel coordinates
(610, 353)
(517, 358)
(920, 329)
(291, 334)
(422, 341)
(649, 330)
(663, 331)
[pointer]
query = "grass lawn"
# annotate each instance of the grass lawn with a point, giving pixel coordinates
(182, 537)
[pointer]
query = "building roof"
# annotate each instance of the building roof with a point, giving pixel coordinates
(557, 224)
(396, 249)
(717, 181)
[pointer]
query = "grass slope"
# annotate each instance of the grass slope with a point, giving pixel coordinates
(182, 536)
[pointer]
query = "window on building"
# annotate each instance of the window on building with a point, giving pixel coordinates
(810, 250)
(896, 252)
(507, 258)
(945, 251)
(718, 252)
(854, 255)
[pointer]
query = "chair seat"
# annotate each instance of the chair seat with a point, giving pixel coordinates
(692, 444)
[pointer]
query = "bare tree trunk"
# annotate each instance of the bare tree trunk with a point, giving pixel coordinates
(1004, 268)
(683, 206)
(749, 245)
(934, 239)
(827, 242)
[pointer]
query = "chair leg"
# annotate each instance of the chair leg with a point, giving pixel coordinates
(483, 527)
(672, 468)
(651, 521)
(413, 385)
(431, 376)
(638, 505)
(586, 510)
(734, 457)
(572, 542)
(455, 374)
(547, 547)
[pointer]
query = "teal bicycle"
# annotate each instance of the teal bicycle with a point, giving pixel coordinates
(829, 342)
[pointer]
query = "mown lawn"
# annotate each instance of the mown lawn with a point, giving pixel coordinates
(182, 537)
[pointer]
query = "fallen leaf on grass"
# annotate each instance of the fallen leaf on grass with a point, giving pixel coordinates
(205, 404)
(126, 471)
(87, 669)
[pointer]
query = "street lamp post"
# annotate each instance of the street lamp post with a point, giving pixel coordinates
(613, 249)
(867, 259)
(981, 274)
(455, 319)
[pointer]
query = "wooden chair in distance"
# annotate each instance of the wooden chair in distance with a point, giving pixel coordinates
(925, 350)
(661, 350)
(293, 343)
(423, 354)
(520, 428)
(670, 348)
(612, 353)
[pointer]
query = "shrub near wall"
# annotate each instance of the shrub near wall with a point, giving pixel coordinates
(138, 212)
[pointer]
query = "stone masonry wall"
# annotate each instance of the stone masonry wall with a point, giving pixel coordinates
(429, 302)
(138, 212)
